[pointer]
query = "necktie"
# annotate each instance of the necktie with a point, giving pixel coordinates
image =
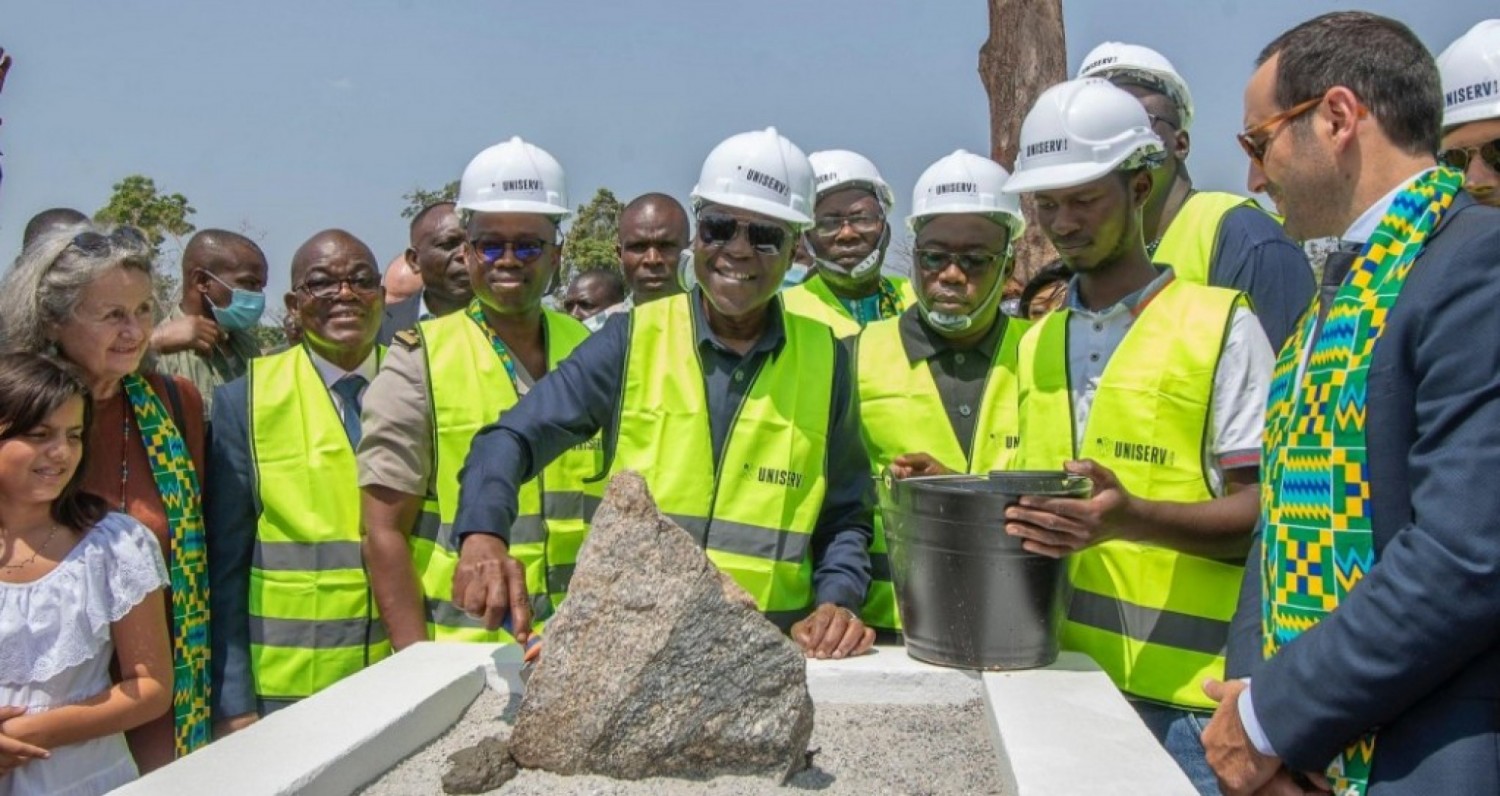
(348, 389)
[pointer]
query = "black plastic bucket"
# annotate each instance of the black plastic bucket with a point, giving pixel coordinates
(969, 595)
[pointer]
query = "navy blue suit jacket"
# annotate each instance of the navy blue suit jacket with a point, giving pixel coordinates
(231, 507)
(399, 317)
(1414, 650)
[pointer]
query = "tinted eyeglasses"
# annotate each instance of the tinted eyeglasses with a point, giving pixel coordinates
(526, 251)
(1459, 158)
(934, 260)
(327, 287)
(828, 226)
(717, 229)
(96, 244)
(1255, 140)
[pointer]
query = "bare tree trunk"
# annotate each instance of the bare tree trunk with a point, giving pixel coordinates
(1024, 55)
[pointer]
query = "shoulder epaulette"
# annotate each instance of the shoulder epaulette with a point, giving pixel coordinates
(409, 339)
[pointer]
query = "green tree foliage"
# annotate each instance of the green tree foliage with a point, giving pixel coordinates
(590, 242)
(160, 216)
(418, 198)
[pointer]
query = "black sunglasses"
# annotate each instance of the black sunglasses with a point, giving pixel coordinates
(525, 250)
(96, 244)
(1460, 157)
(717, 229)
(935, 261)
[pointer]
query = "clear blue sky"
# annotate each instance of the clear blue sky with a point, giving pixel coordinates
(287, 118)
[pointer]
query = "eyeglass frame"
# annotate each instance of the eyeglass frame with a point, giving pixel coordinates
(745, 225)
(1492, 161)
(951, 258)
(820, 221)
(93, 243)
(512, 246)
(1256, 150)
(338, 284)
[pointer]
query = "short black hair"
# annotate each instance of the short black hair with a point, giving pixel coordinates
(32, 387)
(48, 220)
(612, 279)
(1377, 58)
(207, 240)
(422, 215)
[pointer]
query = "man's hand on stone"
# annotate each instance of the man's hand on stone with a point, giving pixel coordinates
(489, 584)
(1242, 770)
(908, 465)
(832, 632)
(193, 332)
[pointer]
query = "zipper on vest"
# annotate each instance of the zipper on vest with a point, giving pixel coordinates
(713, 499)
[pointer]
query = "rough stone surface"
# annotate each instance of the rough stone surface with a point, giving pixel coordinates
(658, 665)
(484, 766)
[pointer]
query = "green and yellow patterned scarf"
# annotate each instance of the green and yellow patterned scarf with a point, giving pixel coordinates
(1315, 494)
(177, 484)
(886, 303)
(475, 311)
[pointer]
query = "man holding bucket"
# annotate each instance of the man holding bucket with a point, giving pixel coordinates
(1152, 387)
(952, 355)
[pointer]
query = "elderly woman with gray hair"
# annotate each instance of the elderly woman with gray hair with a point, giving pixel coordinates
(83, 293)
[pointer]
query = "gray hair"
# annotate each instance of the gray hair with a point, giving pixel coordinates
(47, 281)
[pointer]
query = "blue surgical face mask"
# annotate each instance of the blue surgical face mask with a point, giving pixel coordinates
(244, 310)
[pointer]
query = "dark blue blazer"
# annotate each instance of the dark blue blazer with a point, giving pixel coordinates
(231, 507)
(399, 317)
(1414, 651)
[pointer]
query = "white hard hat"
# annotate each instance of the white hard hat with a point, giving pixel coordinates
(514, 177)
(761, 172)
(1138, 64)
(840, 168)
(1471, 75)
(965, 183)
(1079, 131)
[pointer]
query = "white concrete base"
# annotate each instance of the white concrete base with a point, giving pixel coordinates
(1059, 730)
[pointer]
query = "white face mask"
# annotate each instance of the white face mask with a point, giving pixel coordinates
(864, 267)
(954, 324)
(685, 275)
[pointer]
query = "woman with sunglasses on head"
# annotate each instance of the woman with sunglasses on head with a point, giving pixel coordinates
(1470, 70)
(80, 587)
(84, 293)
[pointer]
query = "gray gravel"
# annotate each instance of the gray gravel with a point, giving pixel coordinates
(861, 750)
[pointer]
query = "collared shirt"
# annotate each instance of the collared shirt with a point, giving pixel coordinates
(1241, 383)
(331, 373)
(581, 396)
(227, 361)
(960, 374)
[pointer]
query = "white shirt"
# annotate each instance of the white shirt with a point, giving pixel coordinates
(332, 373)
(1237, 413)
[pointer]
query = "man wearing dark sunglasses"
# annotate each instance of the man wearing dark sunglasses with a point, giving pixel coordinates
(1208, 237)
(1367, 621)
(740, 416)
(1154, 388)
(445, 379)
(208, 337)
(950, 356)
(848, 242)
(1470, 69)
(284, 566)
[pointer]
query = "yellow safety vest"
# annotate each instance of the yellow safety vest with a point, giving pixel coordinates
(469, 388)
(1192, 239)
(813, 299)
(312, 619)
(1155, 619)
(755, 508)
(900, 411)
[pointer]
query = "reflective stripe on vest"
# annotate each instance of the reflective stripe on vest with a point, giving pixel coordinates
(755, 509)
(1155, 619)
(312, 618)
(901, 411)
(468, 388)
(813, 299)
(1192, 239)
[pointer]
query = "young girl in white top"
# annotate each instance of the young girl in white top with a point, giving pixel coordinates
(79, 587)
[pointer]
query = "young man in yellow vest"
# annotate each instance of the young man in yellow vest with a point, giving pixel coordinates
(452, 375)
(952, 355)
(291, 606)
(740, 416)
(1154, 388)
(1207, 237)
(849, 238)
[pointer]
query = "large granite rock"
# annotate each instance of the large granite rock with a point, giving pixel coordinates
(659, 665)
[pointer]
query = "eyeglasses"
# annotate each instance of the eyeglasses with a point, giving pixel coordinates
(828, 226)
(96, 244)
(716, 229)
(319, 287)
(1164, 120)
(526, 250)
(1460, 157)
(1255, 140)
(936, 261)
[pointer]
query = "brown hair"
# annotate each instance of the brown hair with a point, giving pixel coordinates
(32, 387)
